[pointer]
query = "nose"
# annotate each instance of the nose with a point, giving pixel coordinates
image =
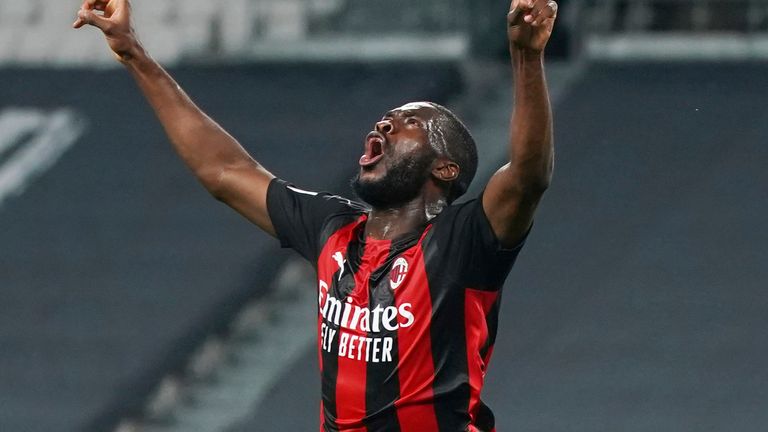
(385, 127)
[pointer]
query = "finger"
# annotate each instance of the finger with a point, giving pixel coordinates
(87, 5)
(97, 4)
(91, 18)
(518, 9)
(549, 11)
(533, 10)
(514, 11)
(537, 7)
(79, 22)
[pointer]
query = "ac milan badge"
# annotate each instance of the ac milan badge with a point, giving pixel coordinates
(397, 275)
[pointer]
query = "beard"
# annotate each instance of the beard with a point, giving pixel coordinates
(402, 183)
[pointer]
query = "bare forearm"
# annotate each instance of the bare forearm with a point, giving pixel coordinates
(531, 143)
(512, 194)
(217, 159)
(201, 143)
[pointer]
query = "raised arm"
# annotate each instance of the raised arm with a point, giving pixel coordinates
(219, 162)
(513, 193)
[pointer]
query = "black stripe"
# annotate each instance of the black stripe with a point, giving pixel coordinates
(333, 224)
(382, 382)
(355, 251)
(485, 421)
(329, 376)
(449, 344)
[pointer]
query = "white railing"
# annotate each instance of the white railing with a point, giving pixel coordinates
(38, 31)
(673, 29)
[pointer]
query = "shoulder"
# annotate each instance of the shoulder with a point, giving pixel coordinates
(457, 214)
(303, 219)
(463, 242)
(467, 224)
(281, 190)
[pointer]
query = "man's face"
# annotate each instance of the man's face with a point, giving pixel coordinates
(398, 157)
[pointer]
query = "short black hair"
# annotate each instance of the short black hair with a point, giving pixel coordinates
(451, 138)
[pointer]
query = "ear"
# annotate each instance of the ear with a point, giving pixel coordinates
(445, 170)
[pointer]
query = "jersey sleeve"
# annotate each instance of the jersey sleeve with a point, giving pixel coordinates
(472, 249)
(299, 216)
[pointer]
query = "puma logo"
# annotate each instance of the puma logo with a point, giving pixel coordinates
(339, 258)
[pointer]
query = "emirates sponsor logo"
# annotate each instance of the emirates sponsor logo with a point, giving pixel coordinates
(353, 317)
(350, 331)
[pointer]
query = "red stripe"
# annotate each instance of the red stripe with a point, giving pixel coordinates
(322, 416)
(477, 305)
(416, 371)
(326, 267)
(474, 429)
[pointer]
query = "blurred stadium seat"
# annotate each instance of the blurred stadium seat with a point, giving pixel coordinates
(37, 32)
(673, 29)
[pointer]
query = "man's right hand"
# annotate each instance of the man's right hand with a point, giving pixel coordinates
(115, 23)
(218, 161)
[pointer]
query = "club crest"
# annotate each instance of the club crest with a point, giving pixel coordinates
(398, 273)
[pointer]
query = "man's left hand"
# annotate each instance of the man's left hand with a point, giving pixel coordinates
(530, 23)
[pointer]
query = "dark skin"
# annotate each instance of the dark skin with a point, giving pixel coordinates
(231, 175)
(405, 132)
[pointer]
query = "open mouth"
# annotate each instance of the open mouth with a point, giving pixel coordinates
(374, 149)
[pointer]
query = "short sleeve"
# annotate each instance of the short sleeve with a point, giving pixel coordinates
(299, 216)
(470, 246)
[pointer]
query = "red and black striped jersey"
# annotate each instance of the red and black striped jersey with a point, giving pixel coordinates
(405, 327)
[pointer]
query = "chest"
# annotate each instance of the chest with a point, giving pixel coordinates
(371, 287)
(375, 269)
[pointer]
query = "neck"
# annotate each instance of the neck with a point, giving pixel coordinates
(390, 223)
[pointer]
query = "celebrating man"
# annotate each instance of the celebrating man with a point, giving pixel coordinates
(408, 283)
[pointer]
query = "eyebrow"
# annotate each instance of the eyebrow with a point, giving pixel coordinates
(405, 113)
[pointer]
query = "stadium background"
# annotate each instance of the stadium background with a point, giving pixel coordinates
(131, 301)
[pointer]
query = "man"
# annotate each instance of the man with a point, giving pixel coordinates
(408, 288)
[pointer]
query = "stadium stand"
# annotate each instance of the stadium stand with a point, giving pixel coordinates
(638, 302)
(37, 32)
(115, 265)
